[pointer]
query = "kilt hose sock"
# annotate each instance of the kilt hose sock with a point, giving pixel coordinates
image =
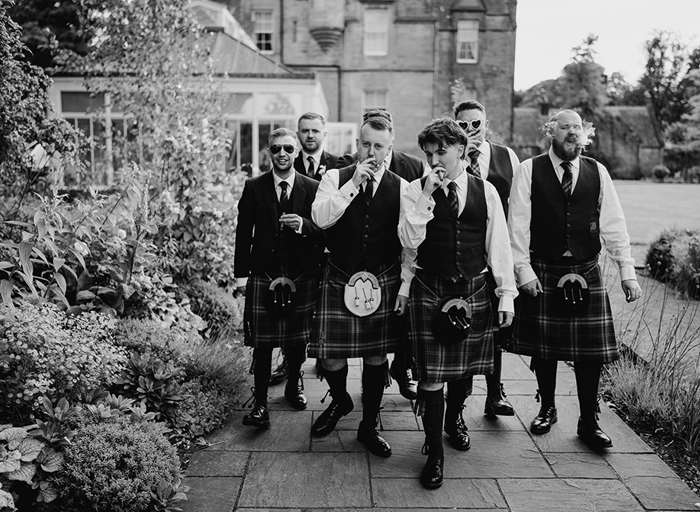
(295, 358)
(432, 412)
(587, 381)
(457, 393)
(261, 374)
(373, 382)
(337, 382)
(493, 381)
(546, 373)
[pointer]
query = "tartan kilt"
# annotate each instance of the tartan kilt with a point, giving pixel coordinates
(544, 331)
(436, 361)
(265, 330)
(338, 334)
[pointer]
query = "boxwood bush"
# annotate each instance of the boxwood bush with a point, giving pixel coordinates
(674, 257)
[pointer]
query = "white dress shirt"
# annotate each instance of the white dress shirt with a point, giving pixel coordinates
(317, 160)
(613, 229)
(417, 211)
(484, 159)
(331, 202)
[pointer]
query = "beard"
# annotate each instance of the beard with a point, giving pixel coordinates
(567, 154)
(311, 146)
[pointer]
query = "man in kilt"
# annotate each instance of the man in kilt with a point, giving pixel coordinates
(561, 205)
(278, 244)
(358, 208)
(456, 222)
(495, 164)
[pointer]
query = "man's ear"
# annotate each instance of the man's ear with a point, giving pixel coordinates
(357, 143)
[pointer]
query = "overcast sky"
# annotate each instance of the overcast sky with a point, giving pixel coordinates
(549, 29)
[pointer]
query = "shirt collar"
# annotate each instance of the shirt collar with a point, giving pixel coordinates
(277, 180)
(556, 161)
(461, 180)
(316, 157)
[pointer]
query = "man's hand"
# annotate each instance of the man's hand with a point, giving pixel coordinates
(532, 288)
(364, 171)
(240, 290)
(505, 318)
(433, 181)
(632, 289)
(401, 305)
(291, 220)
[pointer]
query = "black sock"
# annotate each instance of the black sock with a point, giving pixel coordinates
(373, 381)
(546, 373)
(457, 393)
(263, 364)
(493, 381)
(295, 358)
(338, 382)
(433, 411)
(587, 382)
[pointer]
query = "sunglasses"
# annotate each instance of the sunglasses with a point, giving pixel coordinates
(469, 125)
(288, 148)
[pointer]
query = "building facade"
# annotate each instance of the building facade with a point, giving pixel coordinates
(414, 58)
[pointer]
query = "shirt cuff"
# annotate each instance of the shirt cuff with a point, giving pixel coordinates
(405, 289)
(505, 303)
(241, 281)
(525, 275)
(425, 205)
(627, 272)
(298, 231)
(349, 190)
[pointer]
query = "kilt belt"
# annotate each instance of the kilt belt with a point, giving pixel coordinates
(544, 330)
(437, 361)
(339, 334)
(265, 330)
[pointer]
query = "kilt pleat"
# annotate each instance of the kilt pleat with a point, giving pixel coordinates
(338, 334)
(266, 330)
(544, 331)
(437, 361)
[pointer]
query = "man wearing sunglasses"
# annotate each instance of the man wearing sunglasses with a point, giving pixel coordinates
(409, 168)
(277, 264)
(495, 164)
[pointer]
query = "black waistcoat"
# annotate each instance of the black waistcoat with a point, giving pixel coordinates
(285, 260)
(365, 236)
(456, 245)
(500, 173)
(559, 223)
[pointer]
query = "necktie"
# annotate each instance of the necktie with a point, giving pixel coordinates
(474, 166)
(452, 198)
(311, 171)
(284, 198)
(369, 189)
(567, 181)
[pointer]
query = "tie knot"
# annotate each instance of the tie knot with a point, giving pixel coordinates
(452, 186)
(311, 160)
(566, 166)
(284, 185)
(474, 154)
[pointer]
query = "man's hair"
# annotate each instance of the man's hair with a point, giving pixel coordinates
(311, 116)
(377, 113)
(469, 105)
(443, 132)
(280, 132)
(381, 124)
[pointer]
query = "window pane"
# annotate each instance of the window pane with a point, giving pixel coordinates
(80, 102)
(467, 41)
(263, 155)
(239, 104)
(263, 30)
(246, 144)
(281, 104)
(376, 32)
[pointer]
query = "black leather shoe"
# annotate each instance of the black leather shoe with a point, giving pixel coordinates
(294, 393)
(431, 476)
(407, 386)
(590, 433)
(328, 419)
(258, 417)
(376, 444)
(498, 404)
(280, 373)
(544, 420)
(459, 438)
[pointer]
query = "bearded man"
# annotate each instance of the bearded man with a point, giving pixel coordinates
(561, 205)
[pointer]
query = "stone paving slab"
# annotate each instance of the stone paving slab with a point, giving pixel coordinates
(507, 468)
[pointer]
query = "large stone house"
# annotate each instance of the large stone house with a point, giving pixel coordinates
(415, 58)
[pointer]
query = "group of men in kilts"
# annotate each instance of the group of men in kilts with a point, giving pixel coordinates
(439, 252)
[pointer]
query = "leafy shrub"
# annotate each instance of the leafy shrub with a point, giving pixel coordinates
(674, 257)
(47, 353)
(217, 307)
(149, 336)
(117, 465)
(661, 172)
(205, 406)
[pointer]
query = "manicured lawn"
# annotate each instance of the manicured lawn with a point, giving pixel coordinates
(650, 207)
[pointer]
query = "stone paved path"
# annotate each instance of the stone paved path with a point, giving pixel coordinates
(507, 469)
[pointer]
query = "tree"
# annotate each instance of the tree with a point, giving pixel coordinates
(661, 81)
(621, 92)
(49, 28)
(583, 81)
(25, 123)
